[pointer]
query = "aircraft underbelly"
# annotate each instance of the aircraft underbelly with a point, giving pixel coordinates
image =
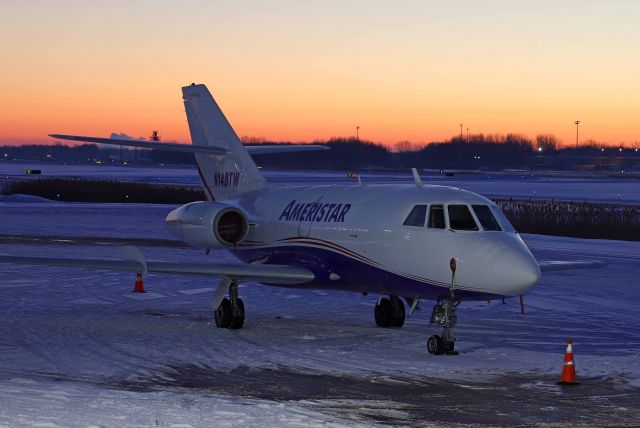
(353, 274)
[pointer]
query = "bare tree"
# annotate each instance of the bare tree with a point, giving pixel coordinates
(246, 139)
(546, 142)
(406, 147)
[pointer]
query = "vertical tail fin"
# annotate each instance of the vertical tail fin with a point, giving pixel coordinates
(223, 176)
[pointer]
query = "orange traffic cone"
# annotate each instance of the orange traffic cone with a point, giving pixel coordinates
(569, 369)
(139, 285)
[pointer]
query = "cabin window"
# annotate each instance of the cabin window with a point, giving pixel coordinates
(460, 218)
(502, 219)
(487, 220)
(416, 216)
(436, 217)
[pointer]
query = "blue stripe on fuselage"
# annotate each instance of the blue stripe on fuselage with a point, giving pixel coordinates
(355, 275)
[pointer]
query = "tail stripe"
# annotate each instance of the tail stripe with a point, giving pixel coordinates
(207, 190)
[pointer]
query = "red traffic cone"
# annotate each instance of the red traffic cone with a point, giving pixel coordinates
(569, 369)
(139, 285)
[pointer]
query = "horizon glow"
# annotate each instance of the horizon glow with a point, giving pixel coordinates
(304, 71)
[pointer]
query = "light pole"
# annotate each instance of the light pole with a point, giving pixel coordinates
(467, 135)
(357, 133)
(577, 122)
(461, 133)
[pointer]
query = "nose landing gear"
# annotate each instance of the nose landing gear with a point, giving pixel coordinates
(444, 315)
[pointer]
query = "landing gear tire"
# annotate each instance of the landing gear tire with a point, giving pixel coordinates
(383, 313)
(230, 311)
(237, 314)
(389, 312)
(450, 348)
(223, 314)
(397, 312)
(435, 345)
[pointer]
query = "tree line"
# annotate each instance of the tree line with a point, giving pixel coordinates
(477, 151)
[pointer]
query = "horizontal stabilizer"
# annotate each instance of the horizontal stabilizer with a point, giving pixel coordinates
(144, 144)
(190, 148)
(263, 149)
(555, 265)
(276, 274)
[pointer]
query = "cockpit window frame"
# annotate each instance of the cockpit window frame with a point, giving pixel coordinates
(502, 219)
(498, 217)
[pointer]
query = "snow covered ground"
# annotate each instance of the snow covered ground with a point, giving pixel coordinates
(574, 186)
(77, 348)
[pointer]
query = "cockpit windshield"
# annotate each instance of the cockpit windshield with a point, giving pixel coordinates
(486, 218)
(460, 218)
(436, 217)
(502, 219)
(416, 216)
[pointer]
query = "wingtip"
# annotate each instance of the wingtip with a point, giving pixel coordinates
(60, 136)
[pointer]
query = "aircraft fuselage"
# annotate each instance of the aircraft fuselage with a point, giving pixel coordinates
(353, 238)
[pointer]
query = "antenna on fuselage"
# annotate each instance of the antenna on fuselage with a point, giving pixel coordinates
(416, 177)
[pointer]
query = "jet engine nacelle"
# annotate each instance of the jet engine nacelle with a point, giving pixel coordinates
(209, 225)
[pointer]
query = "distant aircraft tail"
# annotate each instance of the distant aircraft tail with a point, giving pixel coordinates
(223, 176)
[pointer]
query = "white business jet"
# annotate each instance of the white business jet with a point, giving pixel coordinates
(402, 242)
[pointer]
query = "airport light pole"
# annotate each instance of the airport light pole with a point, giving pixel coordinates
(577, 122)
(461, 133)
(468, 135)
(357, 133)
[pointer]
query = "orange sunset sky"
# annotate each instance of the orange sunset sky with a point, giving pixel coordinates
(305, 70)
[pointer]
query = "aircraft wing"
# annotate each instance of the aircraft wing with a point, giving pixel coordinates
(277, 274)
(556, 265)
(190, 148)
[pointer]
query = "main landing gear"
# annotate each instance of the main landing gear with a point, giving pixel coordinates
(230, 312)
(444, 315)
(389, 312)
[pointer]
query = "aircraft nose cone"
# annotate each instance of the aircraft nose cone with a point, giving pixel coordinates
(516, 270)
(524, 273)
(499, 264)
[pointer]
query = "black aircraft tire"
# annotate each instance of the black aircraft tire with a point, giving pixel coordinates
(237, 315)
(450, 347)
(435, 345)
(383, 313)
(223, 314)
(397, 311)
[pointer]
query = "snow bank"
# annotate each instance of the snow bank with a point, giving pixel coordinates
(18, 198)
